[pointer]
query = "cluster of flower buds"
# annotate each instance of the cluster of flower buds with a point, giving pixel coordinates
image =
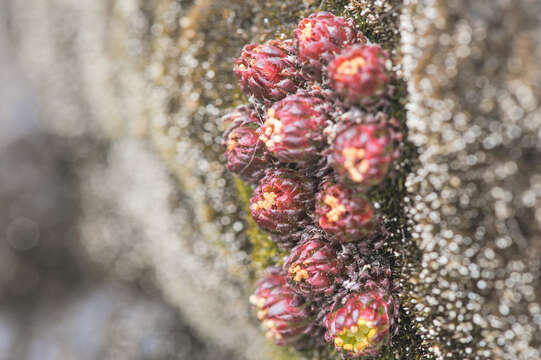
(361, 323)
(284, 315)
(314, 139)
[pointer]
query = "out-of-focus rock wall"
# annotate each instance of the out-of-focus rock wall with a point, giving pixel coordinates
(475, 115)
(139, 75)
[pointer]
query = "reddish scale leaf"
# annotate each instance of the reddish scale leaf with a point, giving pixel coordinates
(293, 128)
(281, 201)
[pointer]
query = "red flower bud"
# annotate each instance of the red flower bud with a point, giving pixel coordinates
(360, 73)
(281, 201)
(246, 154)
(293, 128)
(362, 323)
(269, 71)
(362, 153)
(343, 213)
(284, 315)
(312, 268)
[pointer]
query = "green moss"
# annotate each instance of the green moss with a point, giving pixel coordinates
(264, 251)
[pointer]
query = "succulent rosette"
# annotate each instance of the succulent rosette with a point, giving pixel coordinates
(246, 155)
(312, 268)
(268, 71)
(344, 213)
(360, 73)
(320, 37)
(284, 315)
(293, 128)
(362, 323)
(362, 153)
(281, 201)
(318, 139)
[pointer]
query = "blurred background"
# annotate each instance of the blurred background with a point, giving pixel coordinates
(56, 301)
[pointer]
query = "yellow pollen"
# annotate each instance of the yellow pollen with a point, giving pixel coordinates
(253, 299)
(268, 324)
(261, 314)
(357, 337)
(360, 346)
(269, 200)
(337, 209)
(352, 157)
(307, 31)
(299, 273)
(242, 67)
(232, 143)
(273, 130)
(351, 67)
(363, 166)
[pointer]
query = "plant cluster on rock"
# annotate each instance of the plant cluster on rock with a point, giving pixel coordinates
(315, 138)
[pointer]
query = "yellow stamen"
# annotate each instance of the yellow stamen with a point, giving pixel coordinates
(351, 67)
(352, 156)
(294, 269)
(364, 166)
(337, 209)
(269, 200)
(348, 347)
(232, 142)
(354, 329)
(268, 324)
(360, 346)
(307, 31)
(371, 333)
(338, 342)
(273, 130)
(301, 275)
